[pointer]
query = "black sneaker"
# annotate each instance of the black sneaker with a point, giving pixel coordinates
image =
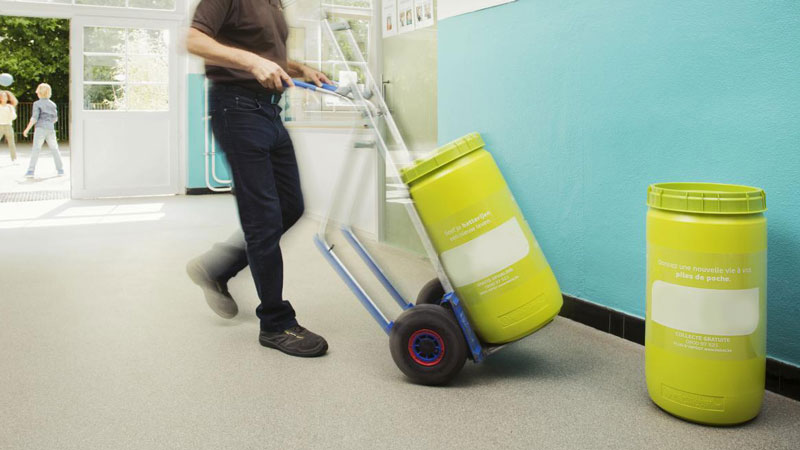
(217, 296)
(295, 341)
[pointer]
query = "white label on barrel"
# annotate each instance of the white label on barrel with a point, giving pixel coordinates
(717, 312)
(487, 254)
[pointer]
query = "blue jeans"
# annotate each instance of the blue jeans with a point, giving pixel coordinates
(39, 138)
(266, 183)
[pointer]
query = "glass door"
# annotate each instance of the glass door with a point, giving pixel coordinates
(124, 105)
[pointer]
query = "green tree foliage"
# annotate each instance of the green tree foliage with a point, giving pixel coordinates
(35, 51)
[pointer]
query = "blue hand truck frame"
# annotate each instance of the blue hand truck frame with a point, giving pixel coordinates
(372, 112)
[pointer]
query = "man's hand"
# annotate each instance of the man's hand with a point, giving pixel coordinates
(25, 132)
(315, 76)
(269, 74)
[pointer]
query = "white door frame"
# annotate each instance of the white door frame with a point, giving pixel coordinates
(60, 11)
(178, 60)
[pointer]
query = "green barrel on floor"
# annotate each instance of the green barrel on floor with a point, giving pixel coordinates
(705, 344)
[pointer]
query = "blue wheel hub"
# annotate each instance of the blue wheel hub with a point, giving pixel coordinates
(426, 347)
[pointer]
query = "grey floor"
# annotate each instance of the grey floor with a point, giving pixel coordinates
(105, 344)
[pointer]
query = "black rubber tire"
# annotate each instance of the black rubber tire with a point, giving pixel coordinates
(431, 294)
(454, 347)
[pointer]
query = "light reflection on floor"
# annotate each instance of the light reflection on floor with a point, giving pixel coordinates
(58, 213)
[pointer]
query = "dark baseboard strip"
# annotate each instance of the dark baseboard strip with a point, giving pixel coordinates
(782, 378)
(202, 191)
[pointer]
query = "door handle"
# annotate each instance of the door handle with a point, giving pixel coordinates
(384, 85)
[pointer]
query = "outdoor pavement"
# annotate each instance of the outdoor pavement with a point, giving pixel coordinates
(12, 176)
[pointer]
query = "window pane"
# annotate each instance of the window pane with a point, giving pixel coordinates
(360, 29)
(103, 68)
(148, 68)
(334, 68)
(363, 3)
(152, 4)
(103, 97)
(47, 1)
(150, 97)
(101, 2)
(134, 77)
(104, 40)
(166, 5)
(147, 42)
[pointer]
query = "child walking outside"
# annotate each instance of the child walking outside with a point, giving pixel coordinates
(44, 116)
(8, 113)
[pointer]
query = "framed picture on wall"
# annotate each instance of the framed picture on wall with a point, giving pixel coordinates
(423, 13)
(405, 16)
(390, 18)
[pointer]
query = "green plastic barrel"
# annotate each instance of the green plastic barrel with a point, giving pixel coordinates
(706, 300)
(485, 245)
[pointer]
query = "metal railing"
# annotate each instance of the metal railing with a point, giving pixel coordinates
(24, 115)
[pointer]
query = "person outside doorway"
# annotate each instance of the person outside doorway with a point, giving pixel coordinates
(44, 118)
(8, 113)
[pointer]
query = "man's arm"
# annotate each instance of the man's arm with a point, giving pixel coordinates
(32, 122)
(268, 74)
(307, 73)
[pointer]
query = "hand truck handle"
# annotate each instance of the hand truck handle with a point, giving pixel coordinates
(313, 87)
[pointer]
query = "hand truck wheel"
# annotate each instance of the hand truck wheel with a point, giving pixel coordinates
(427, 344)
(431, 294)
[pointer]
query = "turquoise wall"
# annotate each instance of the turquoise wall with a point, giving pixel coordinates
(195, 173)
(585, 103)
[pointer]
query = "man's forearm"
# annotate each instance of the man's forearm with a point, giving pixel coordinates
(206, 47)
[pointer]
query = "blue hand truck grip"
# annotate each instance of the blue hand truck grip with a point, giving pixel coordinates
(302, 84)
(311, 86)
(329, 87)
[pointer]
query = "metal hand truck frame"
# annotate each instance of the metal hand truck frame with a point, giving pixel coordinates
(431, 340)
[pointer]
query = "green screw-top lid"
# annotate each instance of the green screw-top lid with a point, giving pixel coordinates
(441, 156)
(707, 198)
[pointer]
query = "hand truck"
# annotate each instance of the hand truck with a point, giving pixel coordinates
(430, 340)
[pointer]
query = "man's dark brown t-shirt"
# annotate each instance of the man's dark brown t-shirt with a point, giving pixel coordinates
(257, 26)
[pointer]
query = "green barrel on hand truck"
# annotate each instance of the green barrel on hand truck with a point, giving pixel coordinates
(484, 242)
